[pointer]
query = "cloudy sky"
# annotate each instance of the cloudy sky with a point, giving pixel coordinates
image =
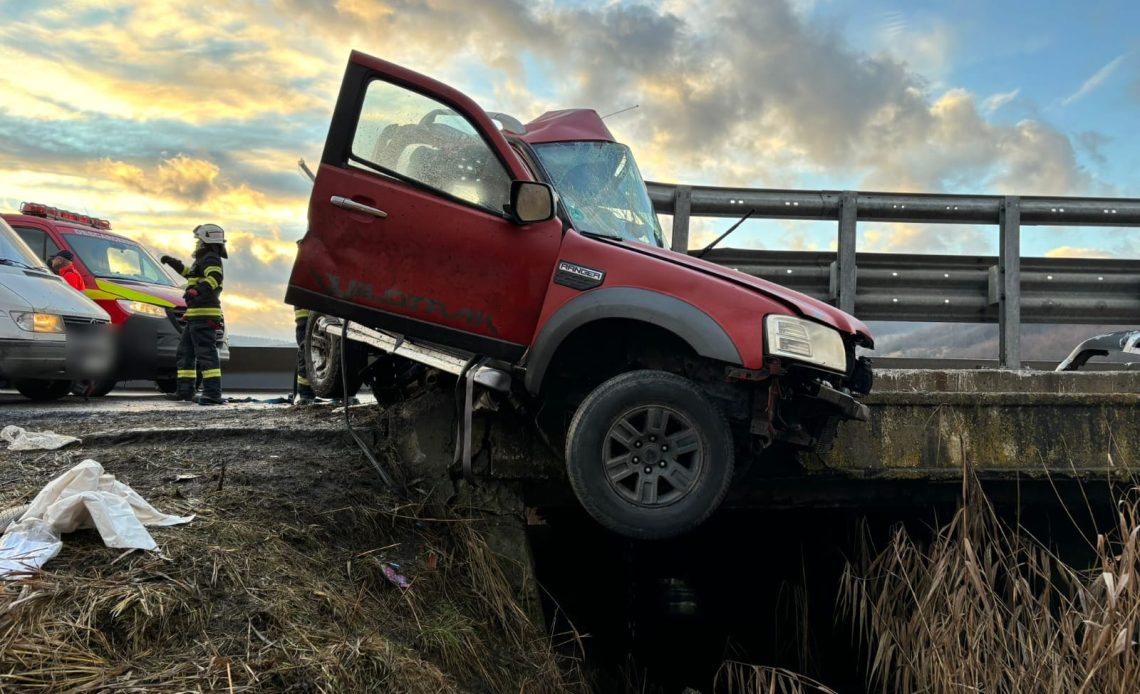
(162, 115)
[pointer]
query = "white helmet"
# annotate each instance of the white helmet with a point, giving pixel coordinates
(210, 233)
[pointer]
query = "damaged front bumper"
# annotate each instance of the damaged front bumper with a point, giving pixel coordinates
(802, 406)
(844, 404)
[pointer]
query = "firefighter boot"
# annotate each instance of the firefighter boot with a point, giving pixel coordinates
(184, 392)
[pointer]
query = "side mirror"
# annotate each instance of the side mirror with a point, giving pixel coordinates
(531, 202)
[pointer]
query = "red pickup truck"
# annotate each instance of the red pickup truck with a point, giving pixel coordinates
(528, 259)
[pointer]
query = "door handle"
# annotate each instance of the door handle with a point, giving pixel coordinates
(341, 201)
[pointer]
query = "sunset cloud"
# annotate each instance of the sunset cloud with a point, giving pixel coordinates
(161, 115)
(181, 177)
(1072, 252)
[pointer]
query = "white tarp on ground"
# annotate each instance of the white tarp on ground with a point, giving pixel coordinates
(20, 439)
(83, 497)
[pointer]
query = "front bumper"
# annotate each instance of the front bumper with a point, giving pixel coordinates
(843, 404)
(33, 359)
(803, 406)
(87, 351)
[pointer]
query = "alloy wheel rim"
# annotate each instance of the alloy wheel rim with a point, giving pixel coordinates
(653, 456)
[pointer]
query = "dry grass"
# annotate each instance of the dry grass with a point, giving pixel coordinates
(242, 601)
(987, 607)
(736, 677)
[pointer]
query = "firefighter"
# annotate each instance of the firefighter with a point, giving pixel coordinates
(61, 264)
(302, 392)
(198, 348)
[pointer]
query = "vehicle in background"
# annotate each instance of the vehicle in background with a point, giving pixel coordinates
(50, 334)
(143, 300)
(1115, 345)
(528, 261)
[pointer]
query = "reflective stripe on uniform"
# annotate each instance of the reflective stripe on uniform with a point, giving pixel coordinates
(213, 269)
(302, 381)
(300, 313)
(211, 373)
(187, 373)
(185, 271)
(212, 282)
(204, 312)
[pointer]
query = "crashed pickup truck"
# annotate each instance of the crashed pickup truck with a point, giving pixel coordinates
(528, 261)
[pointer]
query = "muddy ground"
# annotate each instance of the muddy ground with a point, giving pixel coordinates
(279, 583)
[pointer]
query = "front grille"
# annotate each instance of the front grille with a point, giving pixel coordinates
(81, 324)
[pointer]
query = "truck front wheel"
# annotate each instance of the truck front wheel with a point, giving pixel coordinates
(649, 455)
(322, 361)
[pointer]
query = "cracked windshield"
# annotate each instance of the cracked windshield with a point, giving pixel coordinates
(602, 190)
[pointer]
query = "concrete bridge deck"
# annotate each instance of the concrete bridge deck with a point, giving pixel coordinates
(999, 424)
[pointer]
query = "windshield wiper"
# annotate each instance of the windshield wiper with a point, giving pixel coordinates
(17, 263)
(599, 235)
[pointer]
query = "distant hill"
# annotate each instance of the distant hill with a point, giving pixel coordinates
(247, 341)
(979, 341)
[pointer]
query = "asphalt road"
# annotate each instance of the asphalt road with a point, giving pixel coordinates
(133, 410)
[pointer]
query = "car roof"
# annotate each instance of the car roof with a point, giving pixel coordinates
(570, 125)
(64, 226)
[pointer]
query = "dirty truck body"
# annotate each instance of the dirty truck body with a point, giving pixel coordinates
(529, 261)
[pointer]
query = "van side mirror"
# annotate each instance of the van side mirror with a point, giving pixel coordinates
(531, 202)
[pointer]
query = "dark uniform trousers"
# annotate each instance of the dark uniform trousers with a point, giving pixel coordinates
(198, 349)
(199, 345)
(301, 319)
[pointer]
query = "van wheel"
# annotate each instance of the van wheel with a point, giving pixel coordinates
(40, 389)
(322, 361)
(649, 455)
(92, 389)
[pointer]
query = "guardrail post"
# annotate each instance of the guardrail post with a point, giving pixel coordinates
(844, 272)
(1009, 294)
(682, 203)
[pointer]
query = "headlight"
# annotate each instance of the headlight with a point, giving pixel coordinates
(38, 322)
(142, 308)
(803, 340)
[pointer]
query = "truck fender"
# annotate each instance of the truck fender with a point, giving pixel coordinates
(694, 326)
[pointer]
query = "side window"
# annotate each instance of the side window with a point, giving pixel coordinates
(417, 138)
(35, 240)
(51, 249)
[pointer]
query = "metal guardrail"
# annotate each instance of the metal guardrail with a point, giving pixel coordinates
(260, 368)
(267, 369)
(1007, 289)
(961, 289)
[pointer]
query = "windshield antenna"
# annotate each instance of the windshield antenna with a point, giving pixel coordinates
(706, 249)
(628, 108)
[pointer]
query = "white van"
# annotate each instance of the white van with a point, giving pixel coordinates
(50, 334)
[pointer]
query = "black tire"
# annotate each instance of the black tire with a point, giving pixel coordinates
(636, 416)
(92, 389)
(166, 385)
(322, 361)
(41, 389)
(395, 379)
